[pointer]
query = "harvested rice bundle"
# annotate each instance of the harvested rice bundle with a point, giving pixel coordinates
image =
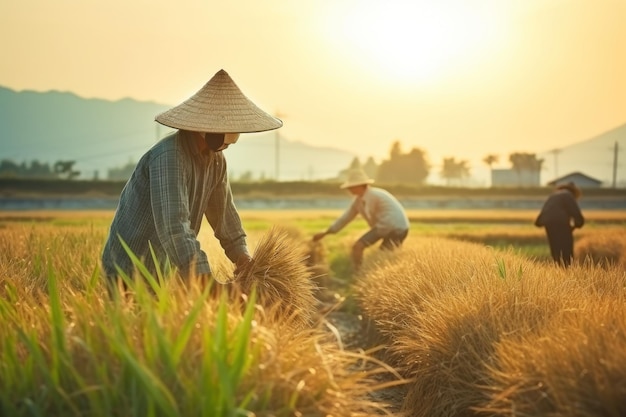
(315, 253)
(318, 265)
(602, 248)
(282, 278)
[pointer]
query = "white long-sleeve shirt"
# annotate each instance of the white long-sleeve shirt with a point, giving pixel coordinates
(379, 208)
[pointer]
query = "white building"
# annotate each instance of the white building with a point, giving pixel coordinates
(515, 178)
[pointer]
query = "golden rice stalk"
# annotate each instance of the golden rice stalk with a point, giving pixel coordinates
(602, 248)
(282, 278)
(315, 254)
(575, 366)
(317, 263)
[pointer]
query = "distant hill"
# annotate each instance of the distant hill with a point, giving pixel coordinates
(594, 157)
(100, 135)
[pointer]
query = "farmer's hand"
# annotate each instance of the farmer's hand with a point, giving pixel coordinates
(243, 264)
(319, 236)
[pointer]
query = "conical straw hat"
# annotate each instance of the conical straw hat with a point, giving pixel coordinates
(356, 177)
(219, 107)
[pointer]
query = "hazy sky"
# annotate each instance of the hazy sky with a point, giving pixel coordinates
(457, 78)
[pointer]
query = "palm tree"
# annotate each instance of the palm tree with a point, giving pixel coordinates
(454, 170)
(523, 162)
(490, 160)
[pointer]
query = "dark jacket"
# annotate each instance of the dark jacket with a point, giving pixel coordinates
(560, 208)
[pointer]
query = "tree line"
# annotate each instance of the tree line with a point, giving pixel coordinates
(411, 168)
(39, 170)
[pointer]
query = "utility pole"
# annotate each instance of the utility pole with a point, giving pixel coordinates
(277, 149)
(276, 155)
(615, 152)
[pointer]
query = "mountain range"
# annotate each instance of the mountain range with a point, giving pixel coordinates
(101, 135)
(602, 157)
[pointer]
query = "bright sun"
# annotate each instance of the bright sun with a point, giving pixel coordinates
(414, 41)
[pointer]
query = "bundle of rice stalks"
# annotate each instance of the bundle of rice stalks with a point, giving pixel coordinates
(315, 254)
(602, 248)
(317, 262)
(282, 279)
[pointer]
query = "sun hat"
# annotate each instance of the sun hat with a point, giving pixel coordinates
(356, 177)
(219, 107)
(571, 187)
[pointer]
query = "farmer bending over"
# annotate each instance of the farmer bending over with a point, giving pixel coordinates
(181, 180)
(382, 211)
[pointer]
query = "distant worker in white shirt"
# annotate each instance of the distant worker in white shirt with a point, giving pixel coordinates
(382, 211)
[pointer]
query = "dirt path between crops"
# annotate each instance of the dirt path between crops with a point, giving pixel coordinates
(354, 336)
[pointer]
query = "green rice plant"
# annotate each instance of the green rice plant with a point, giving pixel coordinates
(170, 347)
(129, 359)
(502, 271)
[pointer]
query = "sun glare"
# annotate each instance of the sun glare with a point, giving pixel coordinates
(415, 42)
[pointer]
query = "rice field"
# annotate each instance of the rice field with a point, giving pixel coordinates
(468, 318)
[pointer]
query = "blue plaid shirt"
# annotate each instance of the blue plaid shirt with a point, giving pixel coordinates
(162, 206)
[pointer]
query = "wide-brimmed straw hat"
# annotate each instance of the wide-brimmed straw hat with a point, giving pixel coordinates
(571, 187)
(355, 178)
(219, 107)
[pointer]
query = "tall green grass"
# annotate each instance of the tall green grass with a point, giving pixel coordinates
(167, 348)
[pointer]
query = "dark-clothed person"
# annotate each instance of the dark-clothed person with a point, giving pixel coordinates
(560, 215)
(181, 180)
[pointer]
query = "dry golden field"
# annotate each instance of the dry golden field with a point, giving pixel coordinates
(468, 318)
